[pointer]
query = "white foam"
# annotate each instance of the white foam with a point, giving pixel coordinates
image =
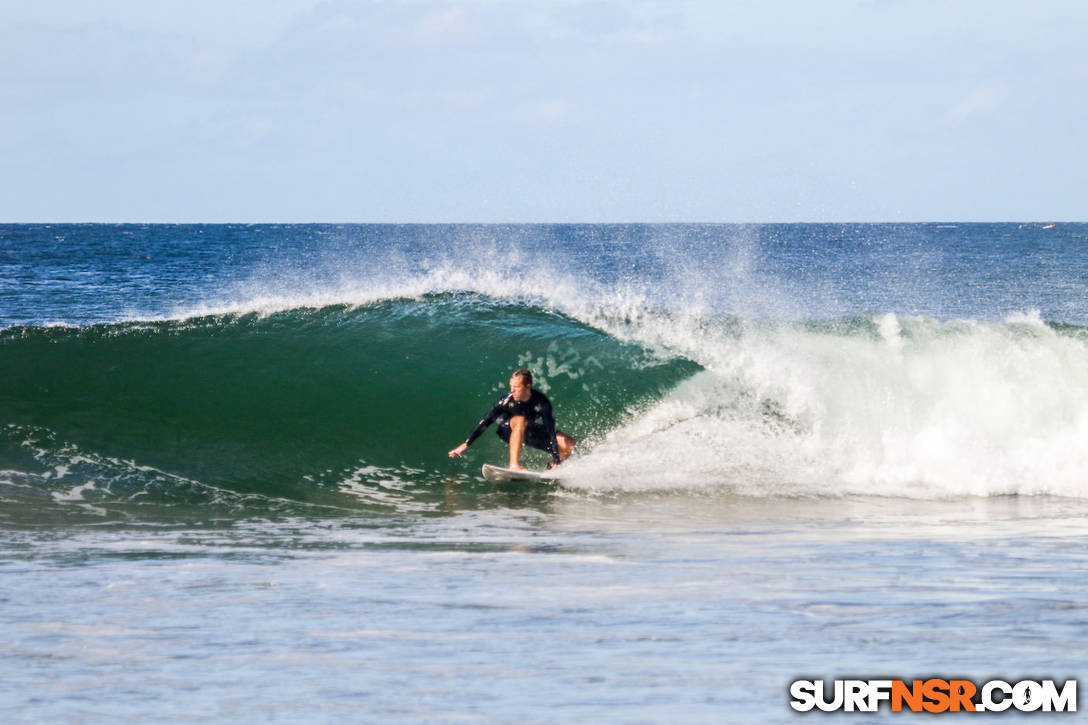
(927, 409)
(75, 493)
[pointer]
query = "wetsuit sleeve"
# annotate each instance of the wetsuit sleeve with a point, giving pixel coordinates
(491, 417)
(549, 429)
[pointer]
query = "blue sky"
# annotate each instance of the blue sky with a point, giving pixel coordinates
(543, 110)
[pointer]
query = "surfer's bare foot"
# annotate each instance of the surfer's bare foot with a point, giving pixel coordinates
(515, 467)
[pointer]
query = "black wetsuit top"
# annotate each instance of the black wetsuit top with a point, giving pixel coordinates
(539, 421)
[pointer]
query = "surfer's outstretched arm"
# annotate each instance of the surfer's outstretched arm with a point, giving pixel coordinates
(491, 417)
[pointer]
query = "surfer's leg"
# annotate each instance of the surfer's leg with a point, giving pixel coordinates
(517, 435)
(566, 444)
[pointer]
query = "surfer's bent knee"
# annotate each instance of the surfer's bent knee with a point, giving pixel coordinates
(566, 444)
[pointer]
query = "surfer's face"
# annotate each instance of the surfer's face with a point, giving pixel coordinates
(519, 389)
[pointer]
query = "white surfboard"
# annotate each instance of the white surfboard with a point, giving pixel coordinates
(498, 474)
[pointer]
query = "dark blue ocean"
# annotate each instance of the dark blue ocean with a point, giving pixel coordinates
(805, 450)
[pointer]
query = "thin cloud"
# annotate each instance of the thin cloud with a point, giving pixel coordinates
(545, 111)
(981, 101)
(438, 28)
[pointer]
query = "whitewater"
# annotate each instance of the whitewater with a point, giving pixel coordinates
(804, 449)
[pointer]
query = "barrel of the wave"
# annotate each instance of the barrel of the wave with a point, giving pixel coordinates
(303, 401)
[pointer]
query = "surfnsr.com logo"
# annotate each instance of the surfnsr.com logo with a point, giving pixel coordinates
(933, 695)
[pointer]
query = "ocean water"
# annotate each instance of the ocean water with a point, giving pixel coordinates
(805, 451)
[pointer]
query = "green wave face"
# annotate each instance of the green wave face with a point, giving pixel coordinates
(295, 403)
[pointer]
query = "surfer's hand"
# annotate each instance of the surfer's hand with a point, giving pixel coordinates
(458, 450)
(551, 465)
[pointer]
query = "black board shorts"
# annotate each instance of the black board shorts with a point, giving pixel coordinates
(535, 435)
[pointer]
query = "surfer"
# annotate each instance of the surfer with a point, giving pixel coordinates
(525, 416)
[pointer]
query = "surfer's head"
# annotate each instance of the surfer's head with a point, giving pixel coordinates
(521, 384)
